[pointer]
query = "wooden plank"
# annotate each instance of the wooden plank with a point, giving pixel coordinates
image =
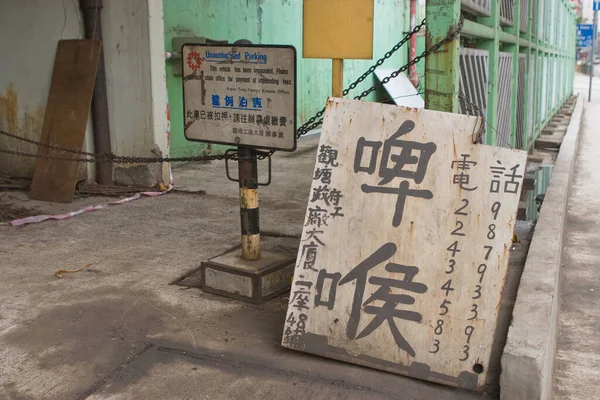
(405, 245)
(65, 119)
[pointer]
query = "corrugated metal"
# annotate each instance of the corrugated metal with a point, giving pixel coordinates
(474, 68)
(478, 7)
(521, 126)
(524, 15)
(507, 12)
(505, 77)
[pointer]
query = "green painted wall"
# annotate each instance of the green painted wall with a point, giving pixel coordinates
(273, 22)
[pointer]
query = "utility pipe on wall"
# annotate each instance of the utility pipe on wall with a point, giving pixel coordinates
(93, 30)
(412, 70)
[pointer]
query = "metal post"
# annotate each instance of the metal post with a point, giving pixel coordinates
(442, 67)
(594, 35)
(337, 77)
(492, 46)
(248, 176)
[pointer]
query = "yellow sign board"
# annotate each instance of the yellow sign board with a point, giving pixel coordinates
(341, 29)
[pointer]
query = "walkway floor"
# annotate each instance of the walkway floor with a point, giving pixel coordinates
(577, 373)
(120, 330)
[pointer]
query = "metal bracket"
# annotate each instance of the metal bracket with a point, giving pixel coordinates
(231, 151)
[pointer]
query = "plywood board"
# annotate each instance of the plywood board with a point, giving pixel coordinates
(65, 120)
(405, 244)
(338, 29)
(240, 95)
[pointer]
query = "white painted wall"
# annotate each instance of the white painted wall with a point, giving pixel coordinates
(29, 31)
(134, 53)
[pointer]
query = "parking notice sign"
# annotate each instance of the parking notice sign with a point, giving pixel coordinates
(584, 35)
(240, 95)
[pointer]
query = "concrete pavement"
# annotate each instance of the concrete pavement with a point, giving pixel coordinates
(577, 374)
(120, 330)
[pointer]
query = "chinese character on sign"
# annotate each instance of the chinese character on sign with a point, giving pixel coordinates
(309, 253)
(323, 174)
(228, 101)
(383, 302)
(405, 165)
(301, 295)
(511, 185)
(243, 102)
(328, 156)
(317, 216)
(326, 299)
(463, 178)
(216, 100)
(256, 102)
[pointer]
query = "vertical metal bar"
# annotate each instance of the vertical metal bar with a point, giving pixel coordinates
(442, 67)
(594, 36)
(249, 216)
(492, 46)
(337, 77)
(515, 29)
(527, 111)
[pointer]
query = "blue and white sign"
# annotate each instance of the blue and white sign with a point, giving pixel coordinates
(585, 32)
(596, 5)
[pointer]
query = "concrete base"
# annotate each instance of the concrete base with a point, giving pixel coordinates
(253, 281)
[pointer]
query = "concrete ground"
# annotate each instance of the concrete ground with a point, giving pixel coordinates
(577, 373)
(120, 329)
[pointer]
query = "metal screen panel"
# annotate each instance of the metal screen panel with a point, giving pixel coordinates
(505, 77)
(507, 12)
(474, 67)
(478, 7)
(521, 126)
(524, 15)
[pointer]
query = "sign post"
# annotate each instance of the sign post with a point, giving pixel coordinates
(243, 95)
(338, 29)
(405, 246)
(594, 37)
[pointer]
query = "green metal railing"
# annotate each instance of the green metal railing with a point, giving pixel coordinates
(543, 31)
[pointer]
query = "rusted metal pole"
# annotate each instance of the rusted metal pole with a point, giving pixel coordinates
(412, 70)
(248, 177)
(93, 30)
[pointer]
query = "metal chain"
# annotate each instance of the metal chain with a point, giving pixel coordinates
(309, 125)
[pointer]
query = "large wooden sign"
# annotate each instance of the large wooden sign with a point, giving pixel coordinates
(405, 244)
(240, 95)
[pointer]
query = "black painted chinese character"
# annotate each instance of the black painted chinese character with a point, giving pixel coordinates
(301, 295)
(337, 212)
(309, 254)
(323, 174)
(510, 186)
(406, 165)
(328, 156)
(282, 121)
(317, 216)
(329, 297)
(383, 302)
(312, 234)
(463, 178)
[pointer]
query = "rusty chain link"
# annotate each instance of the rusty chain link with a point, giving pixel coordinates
(312, 123)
